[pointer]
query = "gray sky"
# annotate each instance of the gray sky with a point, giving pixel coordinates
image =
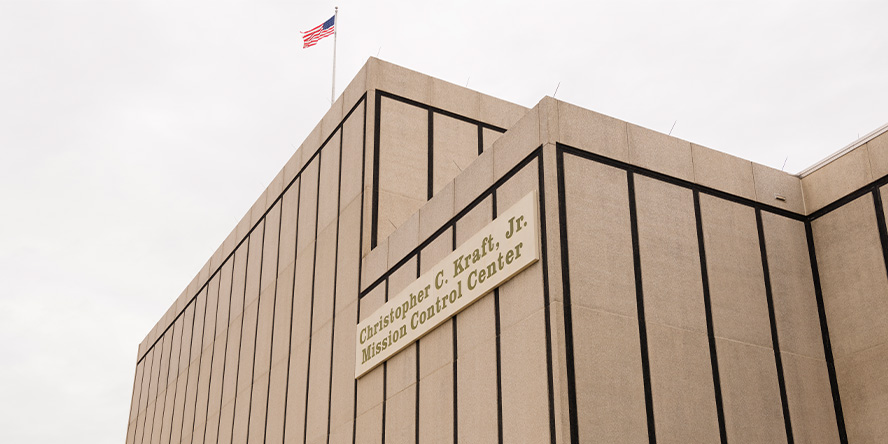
(135, 134)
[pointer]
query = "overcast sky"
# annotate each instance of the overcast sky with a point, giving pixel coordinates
(134, 135)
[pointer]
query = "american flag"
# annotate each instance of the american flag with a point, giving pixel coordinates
(311, 37)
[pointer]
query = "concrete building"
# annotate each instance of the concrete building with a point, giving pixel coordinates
(668, 292)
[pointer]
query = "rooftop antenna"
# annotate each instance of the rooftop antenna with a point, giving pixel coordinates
(673, 127)
(467, 81)
(556, 89)
(784, 163)
(378, 51)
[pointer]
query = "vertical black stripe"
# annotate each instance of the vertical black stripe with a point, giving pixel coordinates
(256, 332)
(710, 332)
(134, 403)
(453, 329)
(374, 217)
(227, 342)
(314, 282)
(568, 319)
(824, 332)
(497, 329)
(277, 269)
(416, 392)
(188, 374)
(163, 413)
(141, 428)
(778, 359)
(431, 154)
(384, 375)
(546, 308)
(639, 301)
(335, 279)
(880, 222)
(360, 255)
(292, 307)
(245, 244)
(212, 358)
(480, 139)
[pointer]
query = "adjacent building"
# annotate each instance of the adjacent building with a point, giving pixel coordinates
(660, 290)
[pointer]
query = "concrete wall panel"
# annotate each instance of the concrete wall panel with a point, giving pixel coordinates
(751, 396)
(454, 147)
(734, 265)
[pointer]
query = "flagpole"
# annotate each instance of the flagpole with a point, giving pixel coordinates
(335, 29)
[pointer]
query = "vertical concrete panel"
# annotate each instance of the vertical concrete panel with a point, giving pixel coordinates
(283, 315)
(855, 297)
(277, 399)
(606, 349)
(188, 423)
(368, 425)
(750, 392)
(403, 164)
(436, 405)
(145, 382)
(599, 238)
(206, 362)
(734, 264)
(150, 409)
(400, 423)
(370, 394)
(259, 402)
(245, 373)
(289, 213)
(476, 376)
(265, 326)
(270, 248)
(607, 363)
(810, 399)
(148, 403)
(525, 380)
(324, 279)
(297, 385)
(852, 277)
(525, 390)
(670, 263)
(214, 402)
(352, 158)
(232, 349)
(248, 335)
(489, 136)
(308, 205)
(184, 374)
(169, 409)
(863, 384)
(523, 294)
(319, 384)
(681, 374)
(163, 378)
(798, 328)
(400, 412)
(348, 256)
(747, 370)
(792, 285)
(342, 391)
(328, 200)
(134, 402)
(681, 385)
(302, 302)
(454, 147)
(254, 263)
(436, 347)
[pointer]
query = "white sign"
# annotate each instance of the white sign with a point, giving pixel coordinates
(502, 249)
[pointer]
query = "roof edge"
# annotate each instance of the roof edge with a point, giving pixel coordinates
(847, 149)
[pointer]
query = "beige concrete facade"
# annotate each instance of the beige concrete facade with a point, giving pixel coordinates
(682, 295)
